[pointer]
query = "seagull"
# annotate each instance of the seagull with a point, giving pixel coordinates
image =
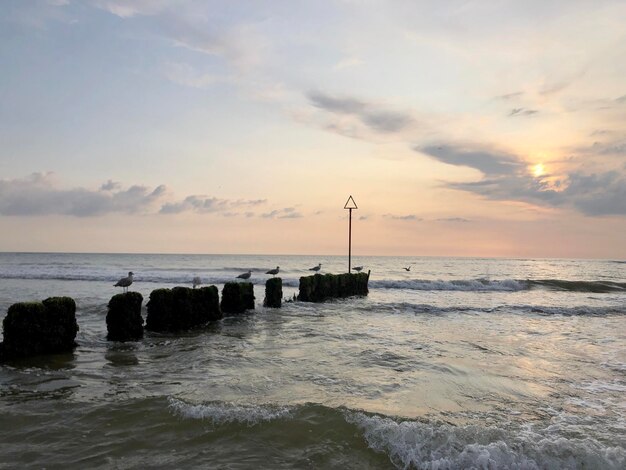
(316, 268)
(407, 269)
(273, 272)
(245, 275)
(358, 269)
(125, 282)
(196, 282)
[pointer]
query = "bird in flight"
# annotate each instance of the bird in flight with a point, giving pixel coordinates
(407, 269)
(125, 282)
(245, 275)
(358, 269)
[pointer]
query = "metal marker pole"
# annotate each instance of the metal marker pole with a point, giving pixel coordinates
(350, 243)
(350, 204)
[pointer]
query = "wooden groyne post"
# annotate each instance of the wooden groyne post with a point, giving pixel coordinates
(46, 327)
(273, 293)
(124, 321)
(182, 308)
(237, 297)
(321, 287)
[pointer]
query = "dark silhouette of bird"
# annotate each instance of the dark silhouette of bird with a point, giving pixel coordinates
(316, 268)
(358, 269)
(407, 269)
(196, 281)
(273, 272)
(125, 282)
(245, 275)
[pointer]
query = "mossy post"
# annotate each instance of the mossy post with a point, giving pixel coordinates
(273, 293)
(321, 287)
(182, 308)
(124, 322)
(237, 297)
(32, 328)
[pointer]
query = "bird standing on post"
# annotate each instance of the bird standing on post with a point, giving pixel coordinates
(125, 282)
(316, 268)
(273, 272)
(245, 275)
(196, 282)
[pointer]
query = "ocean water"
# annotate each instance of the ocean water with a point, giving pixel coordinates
(457, 363)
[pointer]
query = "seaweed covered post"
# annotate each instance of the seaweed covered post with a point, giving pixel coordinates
(124, 322)
(237, 297)
(273, 293)
(321, 287)
(182, 308)
(32, 328)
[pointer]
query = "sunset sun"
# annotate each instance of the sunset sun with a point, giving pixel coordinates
(538, 170)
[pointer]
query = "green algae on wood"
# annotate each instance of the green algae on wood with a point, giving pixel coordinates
(321, 287)
(237, 297)
(32, 328)
(124, 321)
(182, 308)
(273, 293)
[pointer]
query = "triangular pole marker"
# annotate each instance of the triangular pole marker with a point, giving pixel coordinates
(350, 204)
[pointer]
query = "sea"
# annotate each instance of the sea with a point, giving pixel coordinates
(457, 363)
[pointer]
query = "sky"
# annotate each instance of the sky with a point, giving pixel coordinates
(460, 127)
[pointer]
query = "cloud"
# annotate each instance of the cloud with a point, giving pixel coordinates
(598, 194)
(204, 205)
(507, 179)
(343, 105)
(130, 8)
(485, 160)
(373, 116)
(616, 147)
(242, 46)
(522, 112)
(348, 62)
(408, 217)
(453, 220)
(110, 185)
(185, 74)
(557, 87)
(184, 23)
(510, 96)
(38, 195)
(285, 213)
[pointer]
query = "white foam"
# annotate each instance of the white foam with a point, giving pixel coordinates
(223, 413)
(598, 386)
(414, 444)
(506, 285)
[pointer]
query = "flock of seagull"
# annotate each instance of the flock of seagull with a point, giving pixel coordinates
(125, 282)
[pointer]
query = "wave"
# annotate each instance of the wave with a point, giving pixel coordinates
(509, 285)
(582, 310)
(598, 287)
(184, 280)
(413, 443)
(221, 413)
(462, 285)
(506, 285)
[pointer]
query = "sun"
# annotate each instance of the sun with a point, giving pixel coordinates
(538, 170)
